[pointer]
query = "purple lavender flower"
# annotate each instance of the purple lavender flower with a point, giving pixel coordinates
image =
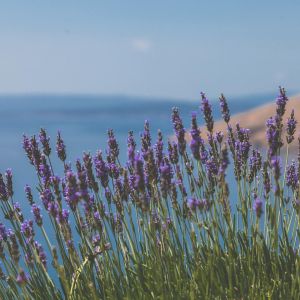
(18, 212)
(82, 185)
(276, 166)
(151, 170)
(224, 161)
(281, 102)
(63, 217)
(145, 140)
(36, 210)
(255, 164)
(89, 205)
(242, 151)
(45, 141)
(291, 128)
(126, 186)
(207, 113)
(118, 189)
(36, 153)
(131, 144)
(79, 166)
(14, 247)
(102, 169)
(71, 192)
(291, 176)
(3, 190)
(60, 147)
(27, 148)
(28, 194)
(242, 133)
(46, 197)
(113, 147)
(98, 220)
(224, 109)
(179, 130)
(159, 146)
(29, 259)
(242, 145)
(53, 209)
(41, 253)
(9, 184)
(173, 153)
(55, 181)
(44, 171)
(139, 178)
(196, 140)
(219, 137)
(166, 175)
(273, 136)
(27, 230)
(230, 139)
(114, 171)
(211, 167)
(88, 163)
(22, 278)
(203, 154)
(96, 240)
(258, 207)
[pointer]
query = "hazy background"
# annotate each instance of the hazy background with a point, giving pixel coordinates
(172, 49)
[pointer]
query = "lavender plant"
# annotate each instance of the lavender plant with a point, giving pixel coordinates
(165, 225)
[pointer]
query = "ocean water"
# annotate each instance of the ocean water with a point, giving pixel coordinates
(84, 121)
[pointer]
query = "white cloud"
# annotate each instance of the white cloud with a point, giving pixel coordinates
(141, 44)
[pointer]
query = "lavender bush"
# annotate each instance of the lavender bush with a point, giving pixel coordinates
(165, 225)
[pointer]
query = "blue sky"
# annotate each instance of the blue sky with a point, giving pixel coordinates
(163, 48)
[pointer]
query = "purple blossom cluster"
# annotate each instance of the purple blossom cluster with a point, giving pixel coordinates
(166, 185)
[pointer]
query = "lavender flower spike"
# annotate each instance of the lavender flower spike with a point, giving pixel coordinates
(291, 128)
(196, 140)
(113, 147)
(281, 102)
(36, 210)
(224, 109)
(207, 113)
(179, 130)
(9, 184)
(60, 147)
(45, 140)
(131, 144)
